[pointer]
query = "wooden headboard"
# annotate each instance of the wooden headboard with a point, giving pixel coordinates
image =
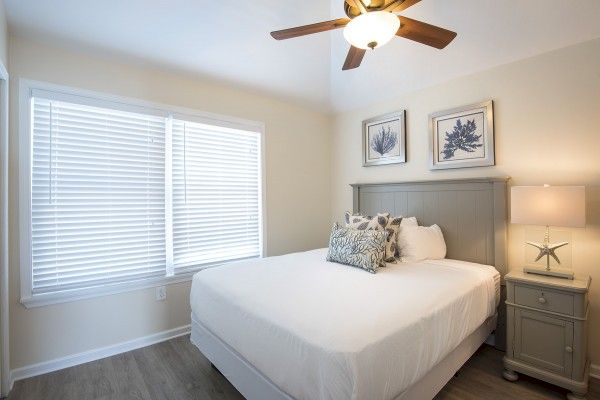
(471, 213)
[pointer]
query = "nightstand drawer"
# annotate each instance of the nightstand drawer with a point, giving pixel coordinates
(544, 299)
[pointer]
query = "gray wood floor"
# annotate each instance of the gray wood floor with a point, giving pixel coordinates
(177, 370)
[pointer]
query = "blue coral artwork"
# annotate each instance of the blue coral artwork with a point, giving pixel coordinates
(461, 138)
(384, 139)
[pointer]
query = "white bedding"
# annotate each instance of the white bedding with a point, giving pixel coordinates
(321, 330)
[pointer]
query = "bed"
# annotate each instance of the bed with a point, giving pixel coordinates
(298, 327)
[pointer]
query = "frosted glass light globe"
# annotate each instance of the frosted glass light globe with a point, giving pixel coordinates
(372, 30)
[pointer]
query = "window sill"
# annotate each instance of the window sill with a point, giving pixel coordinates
(46, 299)
(67, 296)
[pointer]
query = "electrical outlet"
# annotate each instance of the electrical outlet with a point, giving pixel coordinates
(161, 293)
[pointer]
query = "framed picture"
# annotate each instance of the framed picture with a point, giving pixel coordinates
(462, 137)
(384, 139)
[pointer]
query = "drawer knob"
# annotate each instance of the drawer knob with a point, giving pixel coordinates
(569, 349)
(542, 300)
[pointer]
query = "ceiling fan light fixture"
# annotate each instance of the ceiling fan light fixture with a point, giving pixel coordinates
(372, 30)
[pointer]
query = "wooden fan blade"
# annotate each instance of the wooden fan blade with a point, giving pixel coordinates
(354, 58)
(421, 32)
(400, 5)
(310, 29)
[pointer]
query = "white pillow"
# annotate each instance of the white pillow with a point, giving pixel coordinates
(409, 221)
(418, 243)
(406, 222)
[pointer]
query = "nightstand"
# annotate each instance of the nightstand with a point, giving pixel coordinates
(546, 323)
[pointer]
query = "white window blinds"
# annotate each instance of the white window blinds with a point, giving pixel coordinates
(123, 193)
(216, 195)
(98, 196)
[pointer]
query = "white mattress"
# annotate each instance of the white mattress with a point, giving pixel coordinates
(321, 330)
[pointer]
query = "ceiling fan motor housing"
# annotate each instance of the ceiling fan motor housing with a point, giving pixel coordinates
(375, 5)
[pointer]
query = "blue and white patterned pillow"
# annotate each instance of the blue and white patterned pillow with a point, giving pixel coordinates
(382, 222)
(364, 249)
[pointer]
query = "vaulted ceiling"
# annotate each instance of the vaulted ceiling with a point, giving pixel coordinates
(228, 40)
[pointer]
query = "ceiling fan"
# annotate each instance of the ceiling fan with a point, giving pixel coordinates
(371, 24)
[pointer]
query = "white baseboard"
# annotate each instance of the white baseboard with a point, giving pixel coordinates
(96, 354)
(595, 371)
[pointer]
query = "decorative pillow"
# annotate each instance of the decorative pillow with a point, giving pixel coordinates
(361, 222)
(382, 222)
(364, 249)
(393, 229)
(406, 222)
(420, 243)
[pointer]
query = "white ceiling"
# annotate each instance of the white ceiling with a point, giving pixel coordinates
(228, 40)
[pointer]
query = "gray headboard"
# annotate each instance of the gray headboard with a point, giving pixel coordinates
(471, 212)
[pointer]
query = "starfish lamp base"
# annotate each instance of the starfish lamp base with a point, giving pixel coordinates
(548, 250)
(556, 272)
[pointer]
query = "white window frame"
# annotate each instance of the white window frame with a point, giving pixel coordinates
(4, 245)
(26, 89)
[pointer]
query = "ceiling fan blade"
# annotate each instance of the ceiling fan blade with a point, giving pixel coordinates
(421, 32)
(354, 58)
(400, 5)
(310, 29)
(358, 4)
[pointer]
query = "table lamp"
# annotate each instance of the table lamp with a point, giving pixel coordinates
(562, 206)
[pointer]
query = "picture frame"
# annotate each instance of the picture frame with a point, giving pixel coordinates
(462, 137)
(384, 139)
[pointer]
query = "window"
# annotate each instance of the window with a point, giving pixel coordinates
(216, 195)
(125, 195)
(97, 196)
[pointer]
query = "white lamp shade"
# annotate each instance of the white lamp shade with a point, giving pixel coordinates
(562, 206)
(372, 30)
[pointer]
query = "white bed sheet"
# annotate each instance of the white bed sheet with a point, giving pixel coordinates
(321, 330)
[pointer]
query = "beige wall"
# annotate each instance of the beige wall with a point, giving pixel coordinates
(547, 125)
(297, 179)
